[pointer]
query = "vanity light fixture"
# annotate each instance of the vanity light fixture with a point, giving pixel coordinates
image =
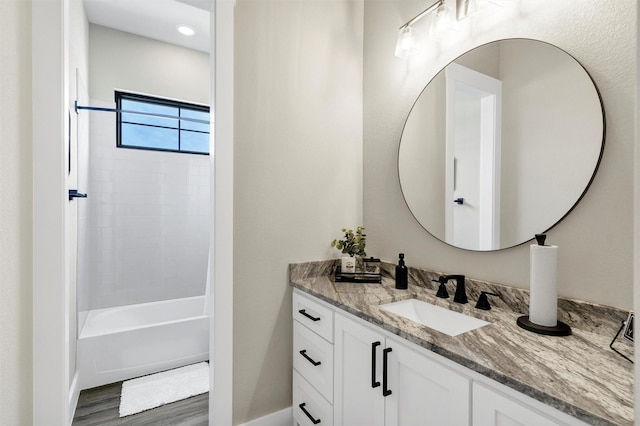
(441, 20)
(407, 44)
(186, 30)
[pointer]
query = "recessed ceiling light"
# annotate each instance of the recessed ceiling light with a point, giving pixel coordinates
(185, 30)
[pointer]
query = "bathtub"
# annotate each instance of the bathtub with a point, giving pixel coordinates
(129, 341)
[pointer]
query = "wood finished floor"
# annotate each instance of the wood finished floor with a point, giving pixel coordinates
(99, 407)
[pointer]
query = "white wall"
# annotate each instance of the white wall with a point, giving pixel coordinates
(554, 138)
(595, 240)
(422, 169)
(148, 224)
(128, 62)
(15, 214)
(298, 173)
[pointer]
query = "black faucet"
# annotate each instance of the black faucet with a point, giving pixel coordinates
(442, 288)
(483, 301)
(461, 293)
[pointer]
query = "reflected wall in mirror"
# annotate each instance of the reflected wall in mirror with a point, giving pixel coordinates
(501, 144)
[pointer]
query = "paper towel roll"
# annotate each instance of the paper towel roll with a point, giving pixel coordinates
(543, 307)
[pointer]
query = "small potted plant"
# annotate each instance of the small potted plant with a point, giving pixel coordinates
(352, 244)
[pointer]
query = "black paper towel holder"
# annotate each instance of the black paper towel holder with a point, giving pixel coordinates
(560, 329)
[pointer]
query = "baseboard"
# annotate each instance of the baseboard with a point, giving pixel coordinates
(279, 418)
(74, 394)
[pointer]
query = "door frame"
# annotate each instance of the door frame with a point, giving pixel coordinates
(51, 296)
(491, 139)
(221, 241)
(53, 402)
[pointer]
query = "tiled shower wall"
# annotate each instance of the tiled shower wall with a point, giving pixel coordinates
(148, 226)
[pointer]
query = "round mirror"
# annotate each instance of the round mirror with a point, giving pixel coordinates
(501, 144)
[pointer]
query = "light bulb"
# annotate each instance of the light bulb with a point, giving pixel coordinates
(407, 44)
(441, 20)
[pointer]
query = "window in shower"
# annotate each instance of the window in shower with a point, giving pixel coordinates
(146, 122)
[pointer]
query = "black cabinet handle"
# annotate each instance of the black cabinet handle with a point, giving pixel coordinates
(304, 312)
(385, 390)
(304, 354)
(314, 421)
(374, 382)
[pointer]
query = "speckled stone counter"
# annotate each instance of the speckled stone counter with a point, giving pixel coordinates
(577, 374)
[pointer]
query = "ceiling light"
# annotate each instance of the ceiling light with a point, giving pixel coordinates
(186, 30)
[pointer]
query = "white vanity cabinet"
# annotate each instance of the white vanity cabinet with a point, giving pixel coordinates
(496, 405)
(369, 376)
(312, 361)
(380, 381)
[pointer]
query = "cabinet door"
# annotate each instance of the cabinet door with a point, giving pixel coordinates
(424, 392)
(491, 408)
(358, 399)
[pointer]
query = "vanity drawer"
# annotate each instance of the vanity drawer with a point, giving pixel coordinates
(312, 314)
(309, 407)
(313, 359)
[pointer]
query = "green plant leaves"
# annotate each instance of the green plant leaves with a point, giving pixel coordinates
(352, 244)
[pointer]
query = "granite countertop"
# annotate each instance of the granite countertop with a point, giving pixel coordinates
(577, 374)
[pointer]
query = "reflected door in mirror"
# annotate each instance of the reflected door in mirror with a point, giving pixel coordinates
(473, 123)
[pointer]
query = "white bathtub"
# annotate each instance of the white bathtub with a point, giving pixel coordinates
(130, 341)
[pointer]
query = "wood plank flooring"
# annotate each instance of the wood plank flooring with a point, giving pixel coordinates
(99, 407)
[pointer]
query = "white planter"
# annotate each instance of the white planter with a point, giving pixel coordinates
(348, 264)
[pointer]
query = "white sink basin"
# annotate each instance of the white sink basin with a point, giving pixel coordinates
(435, 317)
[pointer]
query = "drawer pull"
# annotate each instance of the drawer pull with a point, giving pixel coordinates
(304, 410)
(385, 390)
(312, 318)
(304, 354)
(374, 382)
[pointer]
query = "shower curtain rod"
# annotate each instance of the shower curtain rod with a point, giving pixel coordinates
(124, 111)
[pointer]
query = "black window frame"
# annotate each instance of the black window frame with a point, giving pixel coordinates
(119, 96)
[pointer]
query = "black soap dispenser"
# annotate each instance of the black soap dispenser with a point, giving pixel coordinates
(402, 275)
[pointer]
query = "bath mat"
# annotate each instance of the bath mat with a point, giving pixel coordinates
(147, 392)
